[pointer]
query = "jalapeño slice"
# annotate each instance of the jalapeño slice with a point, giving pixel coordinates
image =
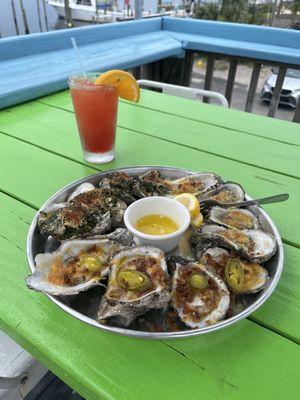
(234, 275)
(130, 279)
(198, 281)
(91, 261)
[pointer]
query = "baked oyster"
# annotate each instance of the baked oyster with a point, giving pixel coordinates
(215, 258)
(84, 187)
(244, 277)
(76, 266)
(228, 192)
(253, 245)
(240, 276)
(121, 185)
(90, 213)
(199, 296)
(238, 218)
(153, 183)
(138, 282)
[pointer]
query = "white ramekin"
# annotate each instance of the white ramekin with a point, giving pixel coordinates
(163, 206)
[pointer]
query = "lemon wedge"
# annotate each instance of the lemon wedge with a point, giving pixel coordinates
(124, 82)
(192, 204)
(197, 221)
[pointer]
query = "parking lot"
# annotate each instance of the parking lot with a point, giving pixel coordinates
(240, 91)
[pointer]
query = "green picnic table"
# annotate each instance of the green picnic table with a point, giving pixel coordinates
(258, 358)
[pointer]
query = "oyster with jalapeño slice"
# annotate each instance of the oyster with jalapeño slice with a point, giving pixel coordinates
(200, 297)
(138, 282)
(240, 276)
(75, 267)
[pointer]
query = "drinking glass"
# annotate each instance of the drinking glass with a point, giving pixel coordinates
(96, 108)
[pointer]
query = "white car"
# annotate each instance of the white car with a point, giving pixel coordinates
(290, 91)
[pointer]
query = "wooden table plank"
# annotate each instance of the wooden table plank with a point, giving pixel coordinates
(42, 129)
(33, 188)
(253, 124)
(32, 174)
(281, 312)
(108, 366)
(238, 146)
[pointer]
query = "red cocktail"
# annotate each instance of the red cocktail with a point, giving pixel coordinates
(96, 114)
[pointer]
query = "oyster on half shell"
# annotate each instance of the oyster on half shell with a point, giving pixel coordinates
(84, 187)
(238, 218)
(76, 265)
(90, 213)
(200, 297)
(253, 245)
(215, 258)
(121, 185)
(227, 192)
(138, 282)
(153, 183)
(240, 276)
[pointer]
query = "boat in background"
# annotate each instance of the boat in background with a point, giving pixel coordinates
(101, 11)
(89, 10)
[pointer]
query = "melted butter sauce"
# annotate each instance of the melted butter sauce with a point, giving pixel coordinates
(156, 224)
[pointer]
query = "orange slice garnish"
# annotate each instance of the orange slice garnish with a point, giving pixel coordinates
(125, 83)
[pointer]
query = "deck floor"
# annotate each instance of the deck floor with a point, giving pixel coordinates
(51, 387)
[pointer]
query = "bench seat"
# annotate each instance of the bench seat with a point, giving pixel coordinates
(238, 48)
(250, 41)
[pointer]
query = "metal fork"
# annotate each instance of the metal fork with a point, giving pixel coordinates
(265, 200)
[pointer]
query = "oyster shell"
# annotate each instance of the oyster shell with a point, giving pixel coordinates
(120, 235)
(121, 185)
(228, 192)
(243, 277)
(83, 188)
(122, 303)
(254, 277)
(89, 213)
(253, 245)
(199, 305)
(153, 183)
(184, 249)
(215, 258)
(76, 266)
(238, 218)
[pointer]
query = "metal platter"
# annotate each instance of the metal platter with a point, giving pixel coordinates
(84, 305)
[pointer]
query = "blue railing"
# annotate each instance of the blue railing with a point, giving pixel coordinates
(35, 65)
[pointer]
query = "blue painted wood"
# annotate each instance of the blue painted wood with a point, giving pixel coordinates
(259, 42)
(35, 65)
(34, 76)
(233, 31)
(26, 45)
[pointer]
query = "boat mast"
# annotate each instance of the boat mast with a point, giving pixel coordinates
(138, 9)
(68, 15)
